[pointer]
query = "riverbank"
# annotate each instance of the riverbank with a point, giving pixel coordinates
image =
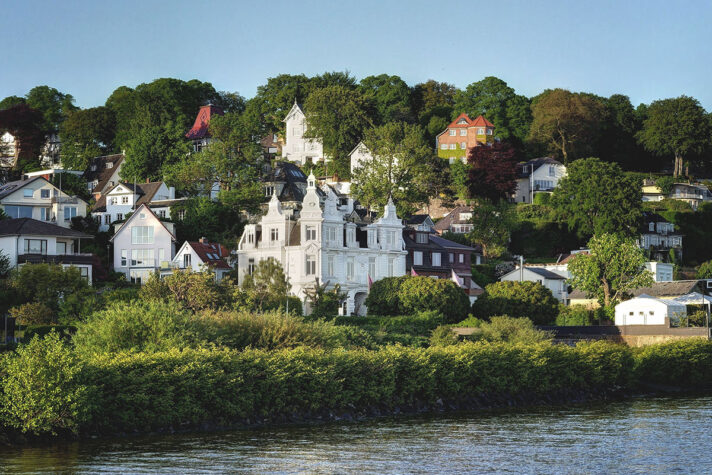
(210, 389)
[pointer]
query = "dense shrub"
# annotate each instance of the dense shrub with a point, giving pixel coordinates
(33, 313)
(420, 294)
(511, 330)
(121, 294)
(383, 296)
(420, 323)
(575, 315)
(64, 331)
(40, 391)
(49, 283)
(542, 198)
(518, 299)
(443, 336)
(705, 270)
(684, 363)
(191, 290)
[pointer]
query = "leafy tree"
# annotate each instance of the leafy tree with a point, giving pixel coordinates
(33, 314)
(191, 290)
(493, 172)
(519, 300)
(460, 178)
(612, 269)
(676, 127)
(391, 97)
(27, 126)
(267, 287)
(566, 122)
(85, 134)
(5, 267)
(383, 298)
(510, 113)
(41, 391)
(493, 223)
(122, 102)
(54, 105)
(274, 99)
(401, 168)
(333, 78)
(431, 95)
(596, 197)
(419, 294)
(11, 101)
(705, 270)
(48, 283)
(204, 217)
(338, 116)
(324, 302)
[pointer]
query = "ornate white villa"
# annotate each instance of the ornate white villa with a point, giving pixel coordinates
(326, 239)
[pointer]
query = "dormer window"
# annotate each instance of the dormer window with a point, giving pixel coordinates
(93, 168)
(109, 164)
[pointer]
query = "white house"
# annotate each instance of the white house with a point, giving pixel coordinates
(540, 175)
(202, 255)
(26, 240)
(123, 198)
(103, 173)
(38, 199)
(326, 241)
(143, 244)
(296, 147)
(647, 310)
(551, 280)
(359, 156)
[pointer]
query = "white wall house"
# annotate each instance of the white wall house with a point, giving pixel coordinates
(143, 244)
(199, 256)
(540, 175)
(325, 241)
(26, 240)
(551, 280)
(123, 198)
(38, 199)
(647, 310)
(359, 156)
(296, 147)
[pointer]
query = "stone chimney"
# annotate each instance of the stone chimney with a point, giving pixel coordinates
(202, 240)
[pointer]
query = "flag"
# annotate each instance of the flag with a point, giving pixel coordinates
(370, 282)
(412, 271)
(456, 278)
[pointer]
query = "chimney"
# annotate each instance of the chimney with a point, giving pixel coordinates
(171, 192)
(202, 240)
(148, 181)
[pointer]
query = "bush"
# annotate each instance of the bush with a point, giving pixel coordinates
(683, 363)
(705, 270)
(64, 331)
(517, 299)
(542, 198)
(33, 314)
(383, 296)
(421, 323)
(41, 391)
(471, 322)
(575, 315)
(121, 294)
(443, 336)
(191, 290)
(512, 330)
(49, 283)
(419, 294)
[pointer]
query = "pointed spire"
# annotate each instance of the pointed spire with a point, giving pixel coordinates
(311, 181)
(390, 210)
(274, 204)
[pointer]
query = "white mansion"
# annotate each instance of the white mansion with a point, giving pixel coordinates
(296, 147)
(326, 240)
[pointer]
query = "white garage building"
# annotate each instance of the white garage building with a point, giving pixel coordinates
(647, 310)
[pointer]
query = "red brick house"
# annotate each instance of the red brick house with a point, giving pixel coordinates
(462, 134)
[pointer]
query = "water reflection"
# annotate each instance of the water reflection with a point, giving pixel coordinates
(660, 435)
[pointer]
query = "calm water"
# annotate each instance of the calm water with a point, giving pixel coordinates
(658, 435)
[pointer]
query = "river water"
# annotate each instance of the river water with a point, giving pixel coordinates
(651, 435)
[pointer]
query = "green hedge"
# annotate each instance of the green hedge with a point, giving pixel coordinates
(684, 363)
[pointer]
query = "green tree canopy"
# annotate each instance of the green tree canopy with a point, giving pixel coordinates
(493, 223)
(54, 105)
(519, 300)
(10, 101)
(401, 168)
(87, 133)
(268, 286)
(611, 270)
(596, 197)
(391, 97)
(567, 123)
(676, 127)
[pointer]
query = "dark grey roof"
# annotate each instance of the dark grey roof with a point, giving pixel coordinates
(447, 244)
(525, 168)
(19, 226)
(453, 217)
(13, 186)
(547, 274)
(417, 219)
(669, 289)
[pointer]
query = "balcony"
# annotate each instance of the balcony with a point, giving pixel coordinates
(71, 200)
(77, 259)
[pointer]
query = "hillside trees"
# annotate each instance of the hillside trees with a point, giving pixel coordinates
(493, 171)
(87, 133)
(676, 127)
(390, 96)
(26, 125)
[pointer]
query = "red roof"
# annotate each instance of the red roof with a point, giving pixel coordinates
(482, 122)
(200, 127)
(212, 254)
(454, 123)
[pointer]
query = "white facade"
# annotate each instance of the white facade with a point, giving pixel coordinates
(143, 244)
(38, 199)
(188, 259)
(551, 280)
(647, 310)
(662, 272)
(321, 243)
(359, 156)
(296, 148)
(544, 179)
(122, 199)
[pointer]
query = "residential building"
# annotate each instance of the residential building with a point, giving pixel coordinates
(457, 221)
(10, 149)
(692, 193)
(103, 173)
(199, 134)
(540, 175)
(26, 240)
(327, 242)
(420, 222)
(298, 148)
(658, 237)
(271, 146)
(551, 280)
(124, 197)
(359, 156)
(674, 289)
(461, 135)
(39, 199)
(202, 255)
(288, 182)
(143, 244)
(662, 272)
(648, 310)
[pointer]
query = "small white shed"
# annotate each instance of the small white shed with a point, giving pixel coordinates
(647, 310)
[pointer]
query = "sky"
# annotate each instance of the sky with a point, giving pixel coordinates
(646, 50)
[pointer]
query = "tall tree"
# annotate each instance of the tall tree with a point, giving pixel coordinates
(391, 97)
(676, 127)
(54, 105)
(122, 103)
(87, 133)
(338, 116)
(10, 101)
(493, 223)
(433, 94)
(613, 268)
(493, 171)
(274, 99)
(493, 98)
(596, 197)
(567, 123)
(400, 168)
(27, 125)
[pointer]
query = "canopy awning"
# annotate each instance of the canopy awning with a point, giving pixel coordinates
(694, 298)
